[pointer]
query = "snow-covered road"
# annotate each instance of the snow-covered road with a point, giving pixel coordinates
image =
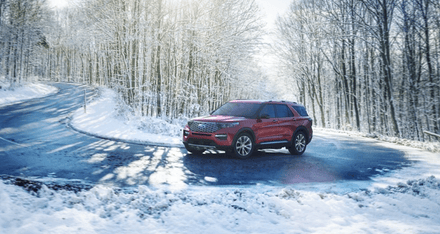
(79, 183)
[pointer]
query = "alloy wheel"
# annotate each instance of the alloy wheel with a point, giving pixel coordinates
(300, 142)
(243, 146)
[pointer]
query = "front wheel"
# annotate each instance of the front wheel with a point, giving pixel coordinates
(299, 144)
(243, 147)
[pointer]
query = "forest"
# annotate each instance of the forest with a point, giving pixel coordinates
(364, 65)
(165, 58)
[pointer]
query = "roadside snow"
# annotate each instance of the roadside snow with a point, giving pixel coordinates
(23, 92)
(411, 207)
(433, 146)
(105, 117)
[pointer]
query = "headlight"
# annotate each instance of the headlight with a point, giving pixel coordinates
(227, 125)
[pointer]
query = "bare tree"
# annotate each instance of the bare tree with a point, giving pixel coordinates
(378, 73)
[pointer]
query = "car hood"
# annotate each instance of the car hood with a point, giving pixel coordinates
(219, 118)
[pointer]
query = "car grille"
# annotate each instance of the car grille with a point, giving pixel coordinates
(203, 127)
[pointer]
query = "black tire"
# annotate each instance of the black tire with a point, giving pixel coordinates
(299, 144)
(243, 146)
(194, 150)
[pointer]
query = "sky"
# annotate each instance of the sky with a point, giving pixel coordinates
(272, 8)
(266, 59)
(58, 3)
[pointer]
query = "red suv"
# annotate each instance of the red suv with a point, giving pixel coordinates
(242, 126)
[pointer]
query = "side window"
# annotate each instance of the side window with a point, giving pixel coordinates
(268, 110)
(283, 111)
(301, 110)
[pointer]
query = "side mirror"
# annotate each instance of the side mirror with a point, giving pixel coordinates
(264, 116)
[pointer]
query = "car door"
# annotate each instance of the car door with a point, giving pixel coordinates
(266, 127)
(287, 123)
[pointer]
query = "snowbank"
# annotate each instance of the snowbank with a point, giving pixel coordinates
(23, 92)
(411, 207)
(105, 117)
(429, 146)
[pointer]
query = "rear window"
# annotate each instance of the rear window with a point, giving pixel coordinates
(301, 110)
(238, 109)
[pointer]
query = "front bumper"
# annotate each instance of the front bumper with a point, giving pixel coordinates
(199, 147)
(221, 139)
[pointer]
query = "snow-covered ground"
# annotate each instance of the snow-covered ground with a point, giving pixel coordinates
(105, 117)
(433, 146)
(23, 92)
(401, 201)
(411, 207)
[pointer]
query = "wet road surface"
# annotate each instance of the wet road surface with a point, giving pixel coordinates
(36, 142)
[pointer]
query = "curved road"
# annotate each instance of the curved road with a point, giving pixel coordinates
(36, 142)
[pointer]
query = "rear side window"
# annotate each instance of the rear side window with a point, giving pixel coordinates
(268, 110)
(301, 110)
(283, 111)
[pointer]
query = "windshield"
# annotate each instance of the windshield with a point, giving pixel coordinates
(238, 109)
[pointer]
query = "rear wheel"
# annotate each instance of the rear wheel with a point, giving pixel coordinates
(299, 144)
(243, 146)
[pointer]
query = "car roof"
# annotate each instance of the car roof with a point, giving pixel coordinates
(265, 101)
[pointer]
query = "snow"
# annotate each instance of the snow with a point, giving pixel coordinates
(433, 146)
(401, 201)
(58, 3)
(104, 117)
(23, 92)
(410, 207)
